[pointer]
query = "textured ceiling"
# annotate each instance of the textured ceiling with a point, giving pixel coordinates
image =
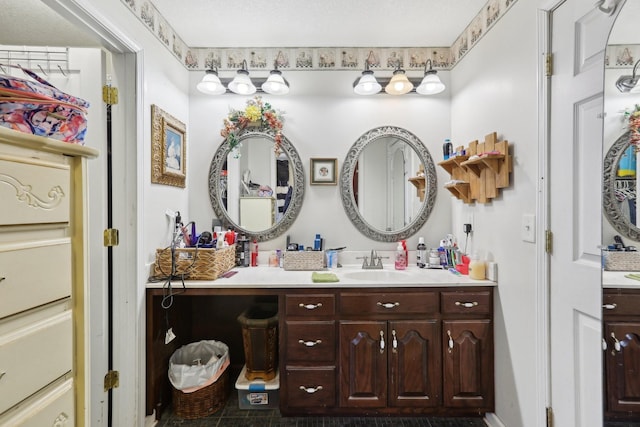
(319, 23)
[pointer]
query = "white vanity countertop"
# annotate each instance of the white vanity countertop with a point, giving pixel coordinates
(273, 277)
(616, 279)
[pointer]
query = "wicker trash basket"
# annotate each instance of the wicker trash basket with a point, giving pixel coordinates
(260, 340)
(204, 402)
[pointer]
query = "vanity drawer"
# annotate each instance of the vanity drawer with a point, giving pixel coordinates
(310, 305)
(34, 273)
(312, 387)
(620, 303)
(389, 302)
(34, 351)
(311, 341)
(33, 191)
(466, 302)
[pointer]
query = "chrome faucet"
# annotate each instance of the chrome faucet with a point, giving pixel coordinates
(374, 262)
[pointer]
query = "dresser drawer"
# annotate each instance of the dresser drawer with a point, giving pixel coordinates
(311, 387)
(52, 406)
(620, 304)
(34, 354)
(34, 273)
(33, 191)
(311, 341)
(389, 303)
(310, 305)
(466, 302)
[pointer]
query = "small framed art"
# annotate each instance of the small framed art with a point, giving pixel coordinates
(168, 149)
(324, 171)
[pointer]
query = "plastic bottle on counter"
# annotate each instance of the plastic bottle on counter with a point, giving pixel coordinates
(477, 268)
(401, 260)
(254, 253)
(421, 253)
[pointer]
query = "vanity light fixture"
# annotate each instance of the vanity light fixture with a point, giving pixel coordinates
(399, 83)
(211, 84)
(367, 83)
(431, 83)
(276, 84)
(242, 84)
(629, 83)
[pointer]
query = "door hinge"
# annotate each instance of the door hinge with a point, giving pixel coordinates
(548, 241)
(549, 417)
(110, 95)
(111, 237)
(548, 64)
(111, 380)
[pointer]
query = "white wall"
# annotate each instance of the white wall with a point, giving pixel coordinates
(494, 89)
(323, 119)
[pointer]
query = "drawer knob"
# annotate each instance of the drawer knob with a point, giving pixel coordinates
(467, 304)
(310, 306)
(609, 306)
(310, 390)
(310, 343)
(387, 304)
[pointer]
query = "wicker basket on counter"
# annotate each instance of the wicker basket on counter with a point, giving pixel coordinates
(621, 261)
(195, 263)
(303, 260)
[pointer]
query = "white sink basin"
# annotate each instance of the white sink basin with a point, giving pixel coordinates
(377, 275)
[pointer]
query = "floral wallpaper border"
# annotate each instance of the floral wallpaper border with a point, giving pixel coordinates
(329, 58)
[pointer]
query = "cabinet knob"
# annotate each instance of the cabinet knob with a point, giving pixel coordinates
(616, 342)
(387, 304)
(609, 306)
(466, 304)
(381, 342)
(310, 343)
(604, 344)
(394, 341)
(310, 306)
(310, 390)
(450, 341)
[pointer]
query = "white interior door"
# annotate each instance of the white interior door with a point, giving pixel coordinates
(579, 32)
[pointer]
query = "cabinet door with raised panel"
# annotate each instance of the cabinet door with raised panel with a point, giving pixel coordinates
(622, 364)
(363, 364)
(468, 364)
(414, 364)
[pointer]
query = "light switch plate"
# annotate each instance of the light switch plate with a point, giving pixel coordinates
(528, 231)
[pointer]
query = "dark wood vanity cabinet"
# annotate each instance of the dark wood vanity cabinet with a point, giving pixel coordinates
(621, 328)
(400, 351)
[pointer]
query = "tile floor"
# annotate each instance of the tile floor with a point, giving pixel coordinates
(232, 416)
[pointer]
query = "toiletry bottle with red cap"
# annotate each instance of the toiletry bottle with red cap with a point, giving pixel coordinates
(254, 253)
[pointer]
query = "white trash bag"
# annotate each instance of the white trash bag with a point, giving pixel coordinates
(195, 365)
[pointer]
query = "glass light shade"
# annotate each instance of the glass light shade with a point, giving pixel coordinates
(276, 84)
(242, 84)
(211, 84)
(367, 85)
(399, 84)
(430, 84)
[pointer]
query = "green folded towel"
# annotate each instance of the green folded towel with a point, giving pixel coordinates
(324, 277)
(632, 276)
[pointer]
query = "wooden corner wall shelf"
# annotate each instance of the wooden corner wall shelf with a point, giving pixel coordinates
(419, 182)
(481, 172)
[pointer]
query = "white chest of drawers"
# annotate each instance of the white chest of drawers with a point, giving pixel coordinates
(42, 261)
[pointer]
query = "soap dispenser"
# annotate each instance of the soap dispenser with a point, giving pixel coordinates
(401, 259)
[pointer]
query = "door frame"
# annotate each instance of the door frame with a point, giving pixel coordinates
(128, 351)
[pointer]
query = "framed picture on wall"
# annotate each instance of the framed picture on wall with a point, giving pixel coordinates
(168, 149)
(324, 171)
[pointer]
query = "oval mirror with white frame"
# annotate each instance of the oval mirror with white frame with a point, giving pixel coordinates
(388, 184)
(254, 191)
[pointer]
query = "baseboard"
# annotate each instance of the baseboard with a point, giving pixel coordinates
(492, 420)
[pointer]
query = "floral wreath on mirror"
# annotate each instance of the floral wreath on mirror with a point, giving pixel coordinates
(634, 125)
(258, 115)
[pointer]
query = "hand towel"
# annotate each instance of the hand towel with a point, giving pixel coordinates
(324, 277)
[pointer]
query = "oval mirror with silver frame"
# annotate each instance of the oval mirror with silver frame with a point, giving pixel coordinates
(399, 150)
(619, 192)
(283, 206)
